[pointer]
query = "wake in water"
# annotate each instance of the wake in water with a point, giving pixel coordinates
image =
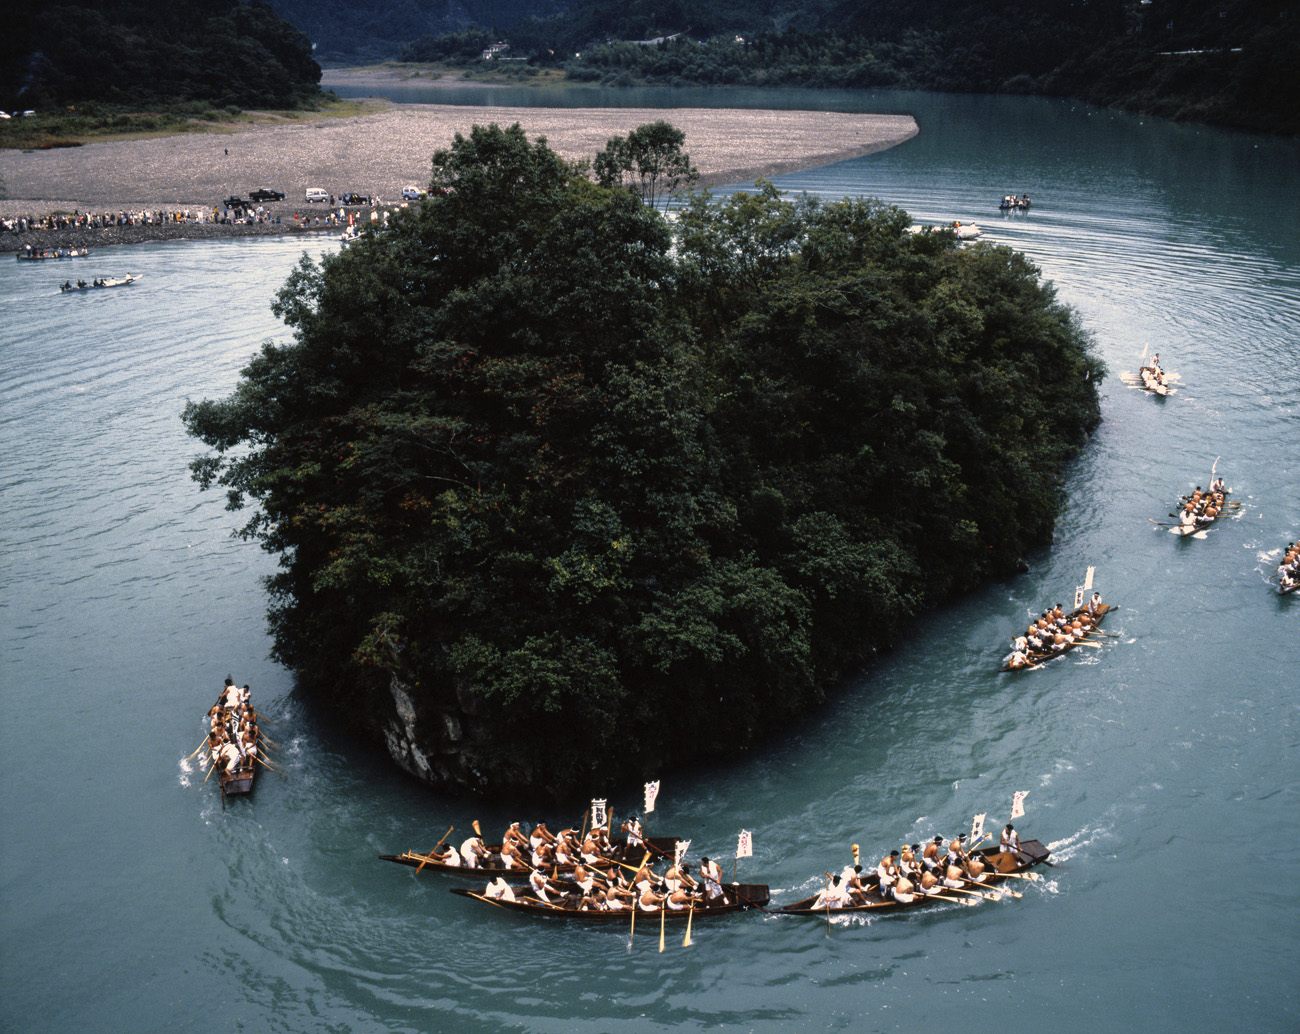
(1069, 847)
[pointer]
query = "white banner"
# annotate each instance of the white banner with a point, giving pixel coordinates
(651, 792)
(1018, 803)
(599, 812)
(679, 851)
(745, 844)
(977, 826)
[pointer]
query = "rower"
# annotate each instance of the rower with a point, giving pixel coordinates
(510, 856)
(591, 846)
(473, 852)
(832, 896)
(1009, 842)
(649, 901)
(229, 694)
(499, 890)
(513, 836)
(930, 856)
(887, 872)
(904, 891)
(679, 876)
(853, 886)
(537, 883)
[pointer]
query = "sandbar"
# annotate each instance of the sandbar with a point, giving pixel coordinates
(380, 153)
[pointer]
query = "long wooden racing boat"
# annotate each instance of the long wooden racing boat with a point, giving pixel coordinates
(1153, 382)
(660, 847)
(998, 864)
(739, 897)
(1037, 657)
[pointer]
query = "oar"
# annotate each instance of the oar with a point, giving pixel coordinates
(690, 917)
(632, 932)
(195, 752)
(210, 771)
(663, 924)
(435, 847)
(973, 894)
(1033, 877)
(261, 761)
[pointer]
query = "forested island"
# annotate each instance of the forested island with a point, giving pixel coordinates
(564, 490)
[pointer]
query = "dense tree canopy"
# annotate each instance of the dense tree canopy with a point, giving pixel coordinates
(133, 53)
(603, 495)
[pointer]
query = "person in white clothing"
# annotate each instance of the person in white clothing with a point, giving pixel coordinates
(472, 852)
(499, 890)
(1009, 842)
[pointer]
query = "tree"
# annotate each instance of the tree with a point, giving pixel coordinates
(650, 159)
(590, 504)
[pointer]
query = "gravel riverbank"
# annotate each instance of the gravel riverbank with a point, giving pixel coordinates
(382, 152)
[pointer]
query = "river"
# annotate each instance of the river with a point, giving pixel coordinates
(1163, 769)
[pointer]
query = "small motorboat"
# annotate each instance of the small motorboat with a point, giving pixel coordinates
(99, 281)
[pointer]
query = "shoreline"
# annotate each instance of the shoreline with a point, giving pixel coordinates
(379, 153)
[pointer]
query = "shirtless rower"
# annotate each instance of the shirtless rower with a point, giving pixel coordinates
(930, 856)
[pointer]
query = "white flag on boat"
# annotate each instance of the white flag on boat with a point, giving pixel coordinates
(745, 844)
(1018, 803)
(599, 812)
(651, 792)
(679, 851)
(977, 826)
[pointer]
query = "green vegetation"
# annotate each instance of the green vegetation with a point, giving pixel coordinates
(1218, 61)
(606, 494)
(81, 123)
(143, 56)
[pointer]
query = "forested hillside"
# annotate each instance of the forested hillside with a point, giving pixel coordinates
(1219, 61)
(560, 492)
(376, 30)
(135, 53)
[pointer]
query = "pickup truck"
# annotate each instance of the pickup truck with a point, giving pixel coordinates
(265, 194)
(235, 201)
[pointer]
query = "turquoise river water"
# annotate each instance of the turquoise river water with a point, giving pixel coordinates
(1163, 769)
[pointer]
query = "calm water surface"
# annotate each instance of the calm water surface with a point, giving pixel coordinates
(1164, 769)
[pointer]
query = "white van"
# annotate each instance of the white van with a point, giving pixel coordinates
(316, 194)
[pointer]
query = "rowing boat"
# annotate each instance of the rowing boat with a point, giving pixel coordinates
(998, 864)
(659, 846)
(1152, 383)
(1037, 657)
(738, 897)
(1201, 521)
(52, 255)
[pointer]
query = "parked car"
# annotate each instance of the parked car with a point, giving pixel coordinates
(413, 193)
(265, 194)
(235, 201)
(353, 198)
(316, 194)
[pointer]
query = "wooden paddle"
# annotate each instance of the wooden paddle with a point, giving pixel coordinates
(663, 924)
(429, 856)
(690, 917)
